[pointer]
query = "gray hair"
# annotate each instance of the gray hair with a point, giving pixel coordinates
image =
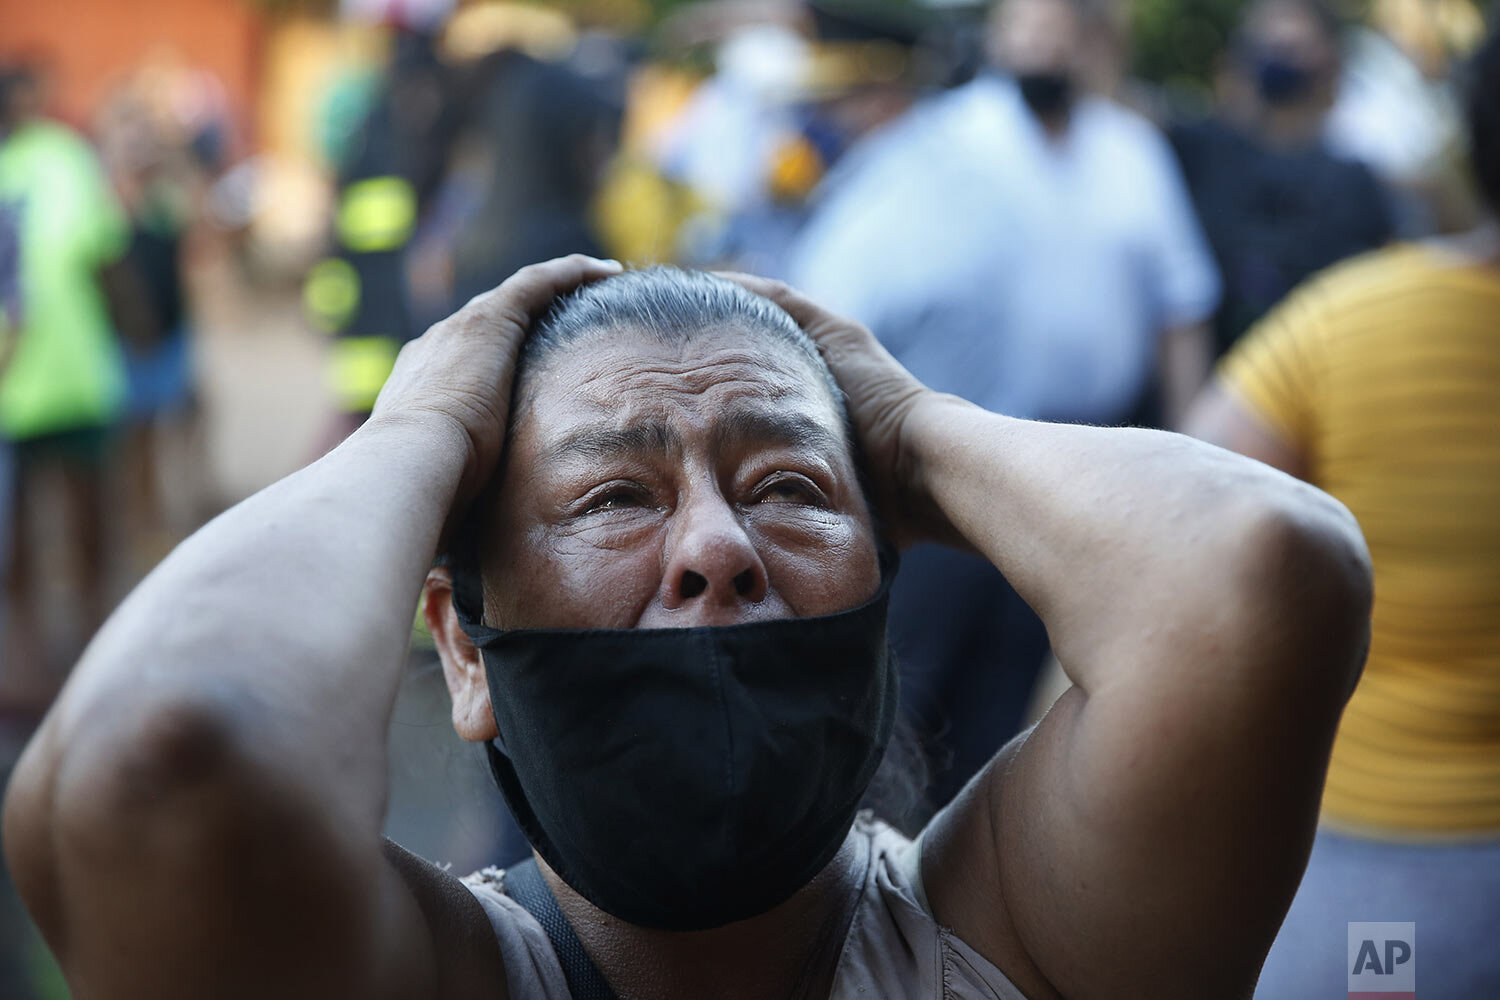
(671, 304)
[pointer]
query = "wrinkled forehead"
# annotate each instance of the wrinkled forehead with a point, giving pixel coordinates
(699, 381)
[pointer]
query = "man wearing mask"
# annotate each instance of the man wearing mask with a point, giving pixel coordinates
(1029, 246)
(1276, 204)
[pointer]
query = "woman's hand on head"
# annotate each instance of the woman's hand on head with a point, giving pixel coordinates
(882, 396)
(460, 372)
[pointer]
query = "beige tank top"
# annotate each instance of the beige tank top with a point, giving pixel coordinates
(895, 949)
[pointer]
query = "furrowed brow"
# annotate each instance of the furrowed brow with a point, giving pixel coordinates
(609, 442)
(795, 429)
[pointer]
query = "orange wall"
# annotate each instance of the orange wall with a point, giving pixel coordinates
(88, 44)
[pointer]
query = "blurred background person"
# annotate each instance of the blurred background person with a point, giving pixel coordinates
(791, 93)
(1380, 383)
(726, 133)
(524, 208)
(482, 149)
(64, 386)
(1025, 177)
(1275, 204)
(1031, 247)
(162, 137)
(387, 173)
(1396, 110)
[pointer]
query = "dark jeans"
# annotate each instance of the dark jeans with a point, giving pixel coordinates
(970, 652)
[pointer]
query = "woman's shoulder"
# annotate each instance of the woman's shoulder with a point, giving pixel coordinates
(531, 965)
(482, 936)
(895, 947)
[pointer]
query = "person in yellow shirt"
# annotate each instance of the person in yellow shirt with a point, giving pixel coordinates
(1379, 381)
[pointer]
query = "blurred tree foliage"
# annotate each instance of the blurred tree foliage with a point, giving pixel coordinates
(1179, 43)
(1176, 44)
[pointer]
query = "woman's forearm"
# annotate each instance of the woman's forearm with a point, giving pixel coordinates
(289, 612)
(1119, 536)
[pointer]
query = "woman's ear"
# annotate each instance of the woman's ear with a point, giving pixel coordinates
(463, 666)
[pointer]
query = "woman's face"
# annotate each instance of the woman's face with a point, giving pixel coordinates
(653, 486)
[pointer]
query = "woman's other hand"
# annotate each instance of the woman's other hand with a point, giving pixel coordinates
(882, 396)
(461, 370)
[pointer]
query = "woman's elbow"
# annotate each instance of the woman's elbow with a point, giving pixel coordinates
(81, 795)
(1310, 588)
(92, 785)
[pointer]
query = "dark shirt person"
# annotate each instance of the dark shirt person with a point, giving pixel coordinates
(386, 180)
(1275, 203)
(200, 813)
(536, 206)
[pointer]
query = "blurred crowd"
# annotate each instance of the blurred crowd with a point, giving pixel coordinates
(1021, 220)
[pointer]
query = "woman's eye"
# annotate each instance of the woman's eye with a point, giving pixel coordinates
(790, 490)
(616, 499)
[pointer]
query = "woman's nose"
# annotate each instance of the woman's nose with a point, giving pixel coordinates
(711, 561)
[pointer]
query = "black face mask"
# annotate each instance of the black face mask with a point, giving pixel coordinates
(1046, 94)
(1281, 81)
(684, 779)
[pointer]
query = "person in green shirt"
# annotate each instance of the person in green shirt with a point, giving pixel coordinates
(64, 384)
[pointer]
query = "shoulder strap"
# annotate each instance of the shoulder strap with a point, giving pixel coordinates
(524, 884)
